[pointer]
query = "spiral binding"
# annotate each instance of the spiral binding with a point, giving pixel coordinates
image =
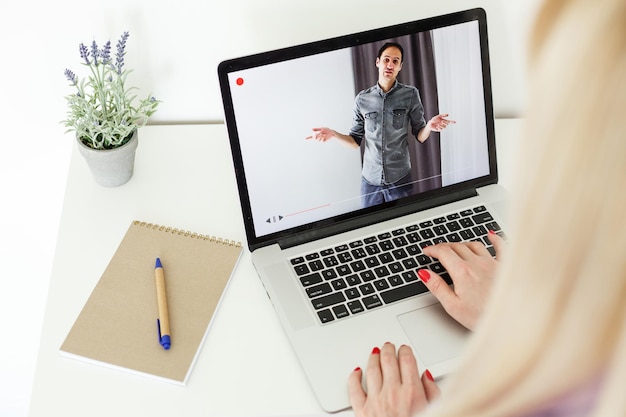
(186, 233)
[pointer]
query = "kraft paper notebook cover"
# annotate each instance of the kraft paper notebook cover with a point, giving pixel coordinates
(117, 326)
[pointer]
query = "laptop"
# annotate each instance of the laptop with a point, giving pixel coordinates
(340, 268)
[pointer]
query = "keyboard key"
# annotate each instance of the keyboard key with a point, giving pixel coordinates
(413, 250)
(341, 248)
(341, 311)
(399, 253)
(381, 284)
(370, 240)
(353, 280)
(400, 241)
(426, 224)
(326, 316)
(395, 280)
(316, 265)
(453, 237)
(372, 262)
(395, 268)
(409, 263)
(406, 291)
(367, 289)
(328, 300)
(398, 232)
(355, 307)
(381, 271)
(427, 234)
(466, 222)
(386, 245)
(467, 234)
(356, 244)
(330, 261)
(440, 230)
(339, 284)
(493, 226)
(453, 226)
(329, 274)
(317, 290)
(359, 253)
(358, 266)
(423, 259)
(367, 276)
(385, 258)
(345, 257)
(372, 249)
(437, 267)
(308, 280)
(312, 256)
(372, 301)
(298, 260)
(327, 252)
(413, 237)
(352, 293)
(301, 269)
(343, 270)
(409, 276)
(482, 218)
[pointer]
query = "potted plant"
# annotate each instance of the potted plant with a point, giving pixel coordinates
(105, 114)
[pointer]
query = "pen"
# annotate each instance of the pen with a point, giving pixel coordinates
(163, 322)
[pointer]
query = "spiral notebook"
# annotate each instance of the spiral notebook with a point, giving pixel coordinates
(117, 326)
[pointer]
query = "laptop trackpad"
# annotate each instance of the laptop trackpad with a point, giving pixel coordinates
(435, 336)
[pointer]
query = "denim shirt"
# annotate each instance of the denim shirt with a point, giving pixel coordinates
(382, 119)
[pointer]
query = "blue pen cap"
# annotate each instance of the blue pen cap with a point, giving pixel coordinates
(166, 342)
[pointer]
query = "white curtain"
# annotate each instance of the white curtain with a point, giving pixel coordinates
(459, 81)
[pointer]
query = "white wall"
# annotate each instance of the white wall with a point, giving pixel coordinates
(174, 48)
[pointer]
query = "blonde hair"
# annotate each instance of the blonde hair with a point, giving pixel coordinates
(557, 317)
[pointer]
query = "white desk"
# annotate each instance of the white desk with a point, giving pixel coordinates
(183, 178)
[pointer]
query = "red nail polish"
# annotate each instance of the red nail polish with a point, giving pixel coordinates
(375, 351)
(491, 232)
(424, 275)
(357, 369)
(429, 375)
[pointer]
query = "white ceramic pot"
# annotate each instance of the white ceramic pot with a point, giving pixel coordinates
(111, 167)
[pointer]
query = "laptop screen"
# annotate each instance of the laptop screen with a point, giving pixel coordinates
(276, 103)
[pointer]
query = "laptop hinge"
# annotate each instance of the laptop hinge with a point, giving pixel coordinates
(369, 219)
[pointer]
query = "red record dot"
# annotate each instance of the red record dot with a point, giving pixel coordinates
(239, 81)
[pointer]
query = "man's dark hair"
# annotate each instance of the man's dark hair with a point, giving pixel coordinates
(389, 45)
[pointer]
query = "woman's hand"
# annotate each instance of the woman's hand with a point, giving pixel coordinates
(394, 386)
(472, 269)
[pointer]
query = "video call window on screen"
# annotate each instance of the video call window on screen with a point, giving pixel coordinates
(293, 181)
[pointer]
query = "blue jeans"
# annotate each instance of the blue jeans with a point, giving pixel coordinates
(377, 194)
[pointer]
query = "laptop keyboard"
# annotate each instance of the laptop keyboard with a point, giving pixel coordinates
(368, 273)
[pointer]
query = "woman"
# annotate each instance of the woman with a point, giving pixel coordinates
(551, 340)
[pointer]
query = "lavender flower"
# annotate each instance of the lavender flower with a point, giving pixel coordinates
(71, 76)
(119, 56)
(94, 52)
(105, 53)
(102, 111)
(84, 53)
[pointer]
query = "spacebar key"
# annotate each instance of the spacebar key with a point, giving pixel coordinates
(400, 293)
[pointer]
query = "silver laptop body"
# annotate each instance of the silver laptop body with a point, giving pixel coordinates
(317, 249)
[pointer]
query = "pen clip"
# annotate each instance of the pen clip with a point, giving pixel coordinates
(164, 341)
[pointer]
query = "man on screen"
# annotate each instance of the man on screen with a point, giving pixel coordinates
(381, 114)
